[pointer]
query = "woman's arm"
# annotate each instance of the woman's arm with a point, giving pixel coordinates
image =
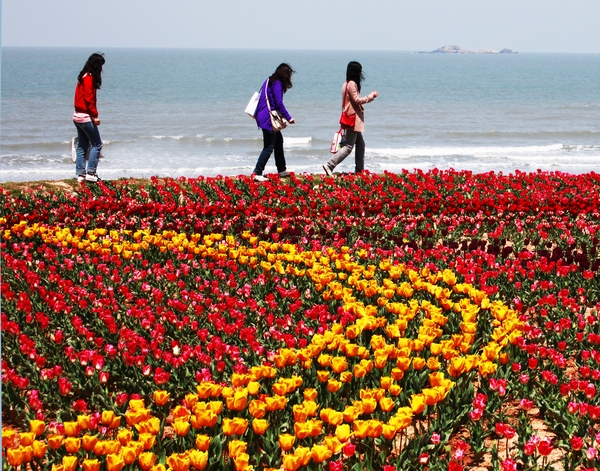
(89, 95)
(354, 94)
(277, 90)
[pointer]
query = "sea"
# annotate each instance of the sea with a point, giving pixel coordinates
(180, 112)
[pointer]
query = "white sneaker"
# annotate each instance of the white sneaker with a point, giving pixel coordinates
(92, 177)
(80, 178)
(260, 178)
(327, 170)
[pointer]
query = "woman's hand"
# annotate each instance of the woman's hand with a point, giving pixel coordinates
(375, 94)
(97, 121)
(292, 121)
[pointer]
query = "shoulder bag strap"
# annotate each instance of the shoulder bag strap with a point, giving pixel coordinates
(267, 95)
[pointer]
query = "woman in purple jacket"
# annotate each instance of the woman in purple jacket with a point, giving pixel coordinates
(278, 83)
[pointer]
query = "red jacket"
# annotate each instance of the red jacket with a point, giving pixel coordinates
(85, 96)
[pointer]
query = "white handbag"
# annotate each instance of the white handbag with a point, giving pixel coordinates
(336, 144)
(253, 104)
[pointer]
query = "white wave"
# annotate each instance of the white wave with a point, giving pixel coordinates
(483, 151)
(158, 137)
(289, 142)
(228, 139)
(176, 137)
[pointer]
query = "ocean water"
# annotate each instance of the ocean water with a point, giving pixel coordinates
(177, 112)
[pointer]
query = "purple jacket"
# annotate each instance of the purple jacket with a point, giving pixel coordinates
(275, 92)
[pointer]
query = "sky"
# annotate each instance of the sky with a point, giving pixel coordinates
(404, 25)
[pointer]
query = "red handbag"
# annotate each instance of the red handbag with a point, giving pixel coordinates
(347, 120)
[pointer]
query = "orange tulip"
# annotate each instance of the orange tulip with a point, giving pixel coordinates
(202, 442)
(72, 444)
(310, 394)
(15, 456)
(147, 440)
(55, 441)
(361, 428)
(331, 416)
(124, 436)
(260, 426)
(322, 375)
(107, 417)
(158, 467)
(418, 363)
(71, 429)
(304, 455)
(339, 364)
(257, 409)
(84, 422)
(236, 447)
(238, 400)
(26, 438)
(333, 385)
(129, 454)
(146, 460)
(179, 462)
(91, 465)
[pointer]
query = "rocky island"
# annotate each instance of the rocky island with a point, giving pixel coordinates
(457, 50)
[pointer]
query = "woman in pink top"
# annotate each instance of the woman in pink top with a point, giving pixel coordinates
(86, 118)
(352, 105)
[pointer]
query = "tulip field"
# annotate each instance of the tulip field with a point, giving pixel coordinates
(435, 321)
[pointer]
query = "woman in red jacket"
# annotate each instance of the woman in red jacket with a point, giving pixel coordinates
(86, 118)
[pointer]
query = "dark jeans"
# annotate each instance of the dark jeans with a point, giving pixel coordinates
(273, 141)
(89, 137)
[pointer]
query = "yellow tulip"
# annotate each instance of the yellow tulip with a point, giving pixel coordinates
(253, 388)
(71, 429)
(161, 397)
(417, 403)
(26, 438)
(236, 426)
(238, 401)
(146, 460)
(241, 461)
(37, 427)
(374, 428)
(70, 463)
(39, 449)
(147, 440)
(291, 462)
(181, 427)
(339, 364)
(343, 433)
(198, 459)
(418, 363)
(395, 390)
(386, 404)
(158, 467)
(320, 453)
(331, 416)
(286, 441)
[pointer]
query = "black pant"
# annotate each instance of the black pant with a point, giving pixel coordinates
(273, 141)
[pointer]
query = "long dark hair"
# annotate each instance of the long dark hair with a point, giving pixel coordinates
(354, 73)
(93, 66)
(283, 73)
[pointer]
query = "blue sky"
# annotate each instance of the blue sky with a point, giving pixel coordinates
(522, 25)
